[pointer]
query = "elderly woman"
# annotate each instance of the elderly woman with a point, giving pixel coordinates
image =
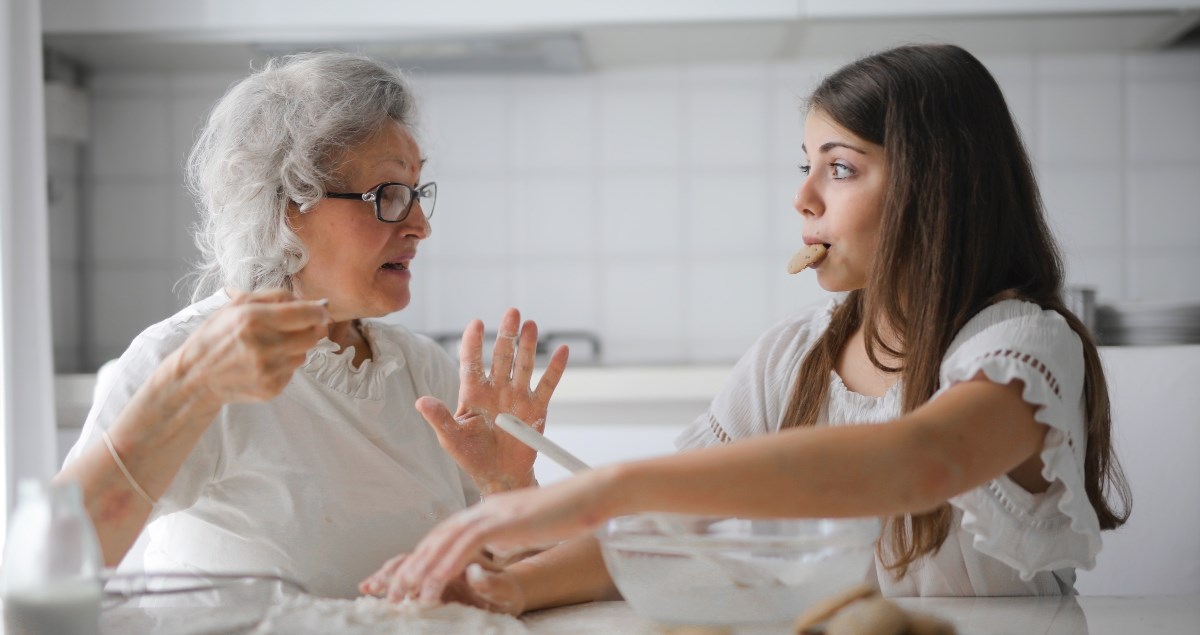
(271, 426)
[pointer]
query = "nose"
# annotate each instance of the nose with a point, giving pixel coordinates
(416, 225)
(808, 200)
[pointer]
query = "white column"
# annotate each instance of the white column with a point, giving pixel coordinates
(26, 361)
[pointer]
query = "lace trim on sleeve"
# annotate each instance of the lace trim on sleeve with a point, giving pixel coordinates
(1033, 532)
(718, 431)
(1032, 362)
(704, 432)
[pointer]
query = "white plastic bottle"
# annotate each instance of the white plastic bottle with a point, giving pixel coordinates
(50, 577)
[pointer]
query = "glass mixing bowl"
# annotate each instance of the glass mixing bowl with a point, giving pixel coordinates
(709, 570)
(189, 603)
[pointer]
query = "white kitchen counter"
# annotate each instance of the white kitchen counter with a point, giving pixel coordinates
(1141, 615)
(971, 616)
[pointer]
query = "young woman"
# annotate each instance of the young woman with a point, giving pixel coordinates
(991, 459)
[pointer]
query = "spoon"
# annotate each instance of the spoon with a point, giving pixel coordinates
(743, 575)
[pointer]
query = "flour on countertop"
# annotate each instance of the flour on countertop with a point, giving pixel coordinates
(305, 614)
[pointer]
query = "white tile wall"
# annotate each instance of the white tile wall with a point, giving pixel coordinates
(640, 128)
(654, 205)
(726, 123)
(1157, 133)
(727, 305)
(552, 125)
(1163, 201)
(132, 221)
(554, 216)
(725, 213)
(640, 215)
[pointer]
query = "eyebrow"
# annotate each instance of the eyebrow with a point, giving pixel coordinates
(402, 162)
(829, 145)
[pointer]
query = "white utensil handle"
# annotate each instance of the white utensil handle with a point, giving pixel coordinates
(536, 440)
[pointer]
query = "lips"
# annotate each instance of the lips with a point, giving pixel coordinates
(399, 262)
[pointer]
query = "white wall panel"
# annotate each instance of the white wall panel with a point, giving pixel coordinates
(631, 182)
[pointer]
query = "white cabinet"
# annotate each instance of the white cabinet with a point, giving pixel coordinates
(1156, 432)
(284, 19)
(817, 9)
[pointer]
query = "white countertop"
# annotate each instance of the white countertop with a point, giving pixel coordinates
(1082, 615)
(971, 616)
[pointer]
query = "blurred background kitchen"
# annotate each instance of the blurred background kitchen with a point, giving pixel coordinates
(623, 172)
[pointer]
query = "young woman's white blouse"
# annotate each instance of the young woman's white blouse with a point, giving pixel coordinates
(1005, 540)
(321, 484)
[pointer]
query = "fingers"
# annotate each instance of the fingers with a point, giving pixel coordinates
(554, 372)
(453, 560)
(470, 354)
(506, 340)
(274, 294)
(439, 558)
(378, 583)
(295, 315)
(437, 415)
(526, 352)
(251, 347)
(493, 588)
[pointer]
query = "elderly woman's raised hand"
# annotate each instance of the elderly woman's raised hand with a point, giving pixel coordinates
(248, 350)
(494, 459)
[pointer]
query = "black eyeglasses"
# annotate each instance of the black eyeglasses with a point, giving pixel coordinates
(393, 201)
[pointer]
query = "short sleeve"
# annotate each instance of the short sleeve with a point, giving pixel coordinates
(116, 384)
(753, 399)
(1058, 528)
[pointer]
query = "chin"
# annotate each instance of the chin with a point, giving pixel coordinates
(838, 284)
(395, 304)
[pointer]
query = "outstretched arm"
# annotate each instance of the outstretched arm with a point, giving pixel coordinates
(973, 433)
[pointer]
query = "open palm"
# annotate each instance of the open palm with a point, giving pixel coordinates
(493, 458)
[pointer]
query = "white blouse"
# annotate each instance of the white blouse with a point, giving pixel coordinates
(321, 484)
(1005, 540)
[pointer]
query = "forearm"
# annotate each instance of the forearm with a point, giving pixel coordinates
(153, 435)
(570, 573)
(970, 435)
(844, 471)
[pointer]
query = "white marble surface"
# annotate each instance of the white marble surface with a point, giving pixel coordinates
(971, 616)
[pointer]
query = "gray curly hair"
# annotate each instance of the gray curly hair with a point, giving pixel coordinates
(276, 138)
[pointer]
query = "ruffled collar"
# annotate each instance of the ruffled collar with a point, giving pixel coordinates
(335, 369)
(839, 387)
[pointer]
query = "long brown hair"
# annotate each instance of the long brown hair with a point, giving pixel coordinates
(962, 227)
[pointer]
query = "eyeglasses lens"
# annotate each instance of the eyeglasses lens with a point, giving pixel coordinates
(393, 202)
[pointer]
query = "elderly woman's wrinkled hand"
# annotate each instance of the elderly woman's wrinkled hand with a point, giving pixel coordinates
(248, 350)
(494, 459)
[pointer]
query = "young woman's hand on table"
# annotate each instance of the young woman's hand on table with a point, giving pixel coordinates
(504, 522)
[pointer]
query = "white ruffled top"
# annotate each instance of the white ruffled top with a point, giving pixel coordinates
(332, 366)
(320, 484)
(1006, 540)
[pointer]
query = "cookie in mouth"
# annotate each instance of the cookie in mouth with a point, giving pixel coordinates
(809, 256)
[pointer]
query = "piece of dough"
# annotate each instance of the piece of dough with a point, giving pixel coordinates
(824, 609)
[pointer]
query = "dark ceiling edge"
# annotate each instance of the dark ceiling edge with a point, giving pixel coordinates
(1189, 39)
